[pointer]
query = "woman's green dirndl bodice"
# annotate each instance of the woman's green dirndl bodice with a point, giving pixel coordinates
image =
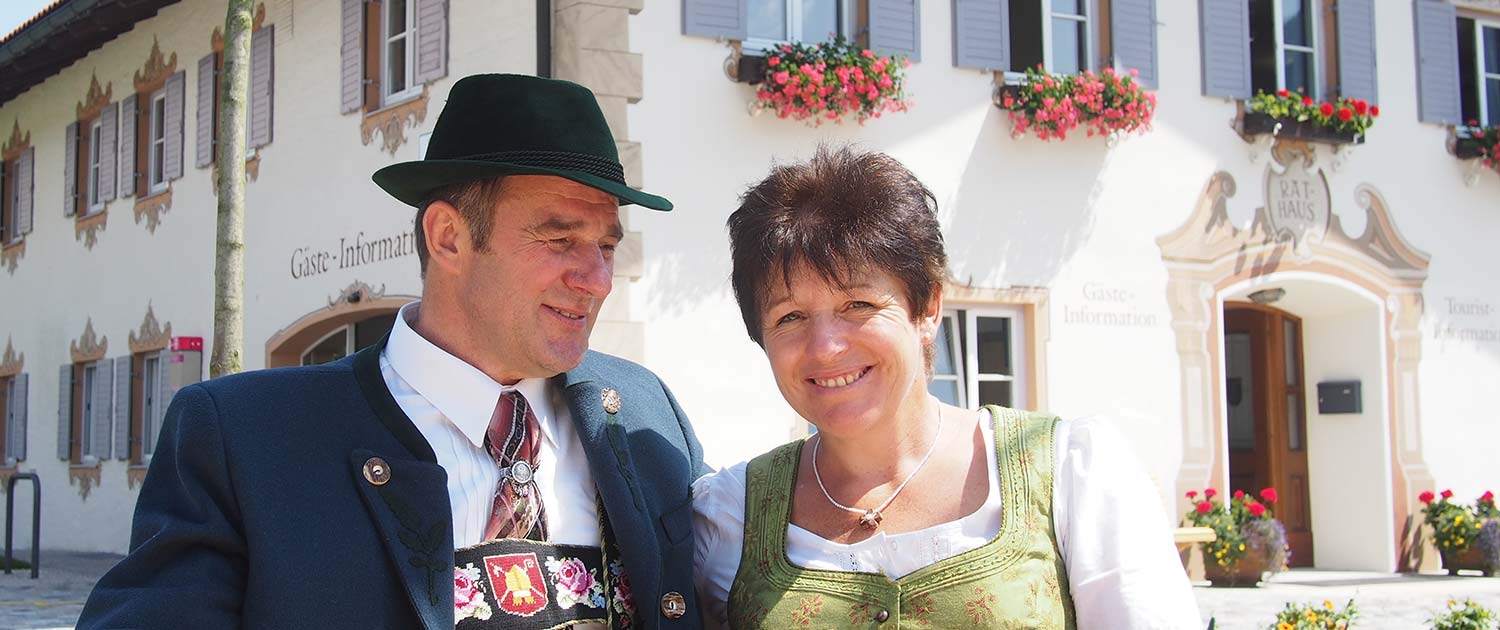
(1016, 580)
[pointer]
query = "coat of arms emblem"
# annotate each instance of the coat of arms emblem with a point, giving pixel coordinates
(516, 580)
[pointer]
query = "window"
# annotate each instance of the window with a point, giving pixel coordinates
(397, 52)
(978, 358)
(777, 21)
(83, 415)
(1284, 46)
(1479, 70)
(7, 202)
(7, 396)
(95, 191)
(1054, 34)
(348, 339)
(146, 415)
(156, 150)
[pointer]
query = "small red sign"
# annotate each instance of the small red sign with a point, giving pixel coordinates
(516, 580)
(183, 344)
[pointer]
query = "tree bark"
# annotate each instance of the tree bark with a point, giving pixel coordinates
(229, 248)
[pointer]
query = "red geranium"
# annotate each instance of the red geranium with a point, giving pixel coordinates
(1447, 494)
(1374, 110)
(1307, 101)
(1426, 497)
(1487, 496)
(1238, 494)
(1283, 93)
(1210, 493)
(1268, 495)
(1345, 114)
(1192, 494)
(1326, 109)
(1205, 507)
(1360, 107)
(1256, 509)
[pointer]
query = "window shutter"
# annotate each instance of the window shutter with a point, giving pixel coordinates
(204, 140)
(127, 145)
(103, 391)
(163, 398)
(716, 18)
(432, 41)
(262, 84)
(70, 171)
(894, 28)
(65, 412)
(142, 144)
(1356, 33)
(25, 183)
(1133, 29)
(176, 92)
(109, 127)
(352, 54)
(1437, 62)
(981, 34)
(373, 47)
(122, 407)
(1224, 35)
(17, 436)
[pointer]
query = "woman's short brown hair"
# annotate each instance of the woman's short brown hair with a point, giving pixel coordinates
(842, 211)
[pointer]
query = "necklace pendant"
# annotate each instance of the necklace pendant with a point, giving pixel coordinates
(870, 519)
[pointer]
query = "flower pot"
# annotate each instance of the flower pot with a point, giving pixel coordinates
(1247, 572)
(1257, 123)
(1471, 558)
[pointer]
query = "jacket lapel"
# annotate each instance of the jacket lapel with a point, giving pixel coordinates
(406, 494)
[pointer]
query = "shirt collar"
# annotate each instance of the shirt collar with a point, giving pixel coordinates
(461, 392)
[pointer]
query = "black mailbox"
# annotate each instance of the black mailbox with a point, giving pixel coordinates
(1339, 397)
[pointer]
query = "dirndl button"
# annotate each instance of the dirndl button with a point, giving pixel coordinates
(882, 616)
(673, 606)
(377, 472)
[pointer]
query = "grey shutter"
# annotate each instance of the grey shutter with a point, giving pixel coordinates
(176, 92)
(262, 85)
(103, 382)
(109, 127)
(122, 407)
(432, 41)
(25, 183)
(204, 140)
(1133, 29)
(70, 171)
(981, 34)
(18, 431)
(728, 19)
(128, 109)
(65, 412)
(352, 53)
(1437, 62)
(895, 28)
(1356, 33)
(1224, 35)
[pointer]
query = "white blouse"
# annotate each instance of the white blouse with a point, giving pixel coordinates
(1123, 569)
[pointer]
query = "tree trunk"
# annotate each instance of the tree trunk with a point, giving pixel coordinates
(229, 248)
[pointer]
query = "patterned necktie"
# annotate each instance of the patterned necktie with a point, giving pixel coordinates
(514, 439)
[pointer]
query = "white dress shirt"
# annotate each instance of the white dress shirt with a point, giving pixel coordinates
(1123, 569)
(451, 403)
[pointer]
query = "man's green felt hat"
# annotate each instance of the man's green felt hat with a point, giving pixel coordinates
(509, 124)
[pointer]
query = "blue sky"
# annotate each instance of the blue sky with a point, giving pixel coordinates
(14, 12)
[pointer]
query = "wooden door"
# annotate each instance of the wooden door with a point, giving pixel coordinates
(1267, 413)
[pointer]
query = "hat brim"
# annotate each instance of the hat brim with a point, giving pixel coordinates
(409, 182)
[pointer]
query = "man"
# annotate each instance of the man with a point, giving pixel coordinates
(335, 496)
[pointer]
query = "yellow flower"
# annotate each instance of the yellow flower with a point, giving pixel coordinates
(1458, 520)
(1312, 615)
(1284, 626)
(1242, 546)
(1328, 603)
(1459, 542)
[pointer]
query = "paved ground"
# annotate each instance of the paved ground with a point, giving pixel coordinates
(1386, 602)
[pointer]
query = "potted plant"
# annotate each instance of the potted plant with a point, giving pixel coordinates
(1479, 142)
(827, 82)
(1311, 617)
(1299, 116)
(1248, 541)
(1467, 538)
(1465, 616)
(1053, 106)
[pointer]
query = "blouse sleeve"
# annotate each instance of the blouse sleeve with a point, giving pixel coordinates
(1123, 568)
(719, 534)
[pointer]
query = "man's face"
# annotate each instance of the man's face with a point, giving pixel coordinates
(532, 295)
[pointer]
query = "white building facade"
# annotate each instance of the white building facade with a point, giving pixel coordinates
(1088, 276)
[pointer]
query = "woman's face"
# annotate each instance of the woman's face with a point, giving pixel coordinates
(846, 359)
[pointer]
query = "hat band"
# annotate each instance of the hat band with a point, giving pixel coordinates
(560, 160)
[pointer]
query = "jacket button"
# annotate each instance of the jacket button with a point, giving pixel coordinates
(673, 606)
(377, 472)
(882, 616)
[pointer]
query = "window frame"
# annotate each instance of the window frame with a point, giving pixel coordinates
(1484, 75)
(7, 394)
(1089, 44)
(794, 25)
(12, 198)
(1311, 9)
(83, 404)
(346, 329)
(146, 429)
(156, 165)
(966, 343)
(93, 200)
(388, 97)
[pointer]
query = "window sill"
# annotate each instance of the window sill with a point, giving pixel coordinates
(11, 253)
(85, 475)
(1255, 124)
(86, 227)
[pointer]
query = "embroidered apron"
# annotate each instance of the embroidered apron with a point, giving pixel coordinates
(1016, 580)
(520, 584)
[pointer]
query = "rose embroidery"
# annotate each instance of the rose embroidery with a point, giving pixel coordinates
(622, 602)
(576, 583)
(468, 595)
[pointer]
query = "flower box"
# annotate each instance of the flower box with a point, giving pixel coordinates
(1247, 572)
(826, 82)
(1257, 123)
(1467, 149)
(1470, 558)
(1053, 106)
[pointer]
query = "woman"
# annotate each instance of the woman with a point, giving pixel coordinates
(900, 506)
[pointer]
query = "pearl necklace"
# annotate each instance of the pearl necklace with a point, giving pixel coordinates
(870, 519)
